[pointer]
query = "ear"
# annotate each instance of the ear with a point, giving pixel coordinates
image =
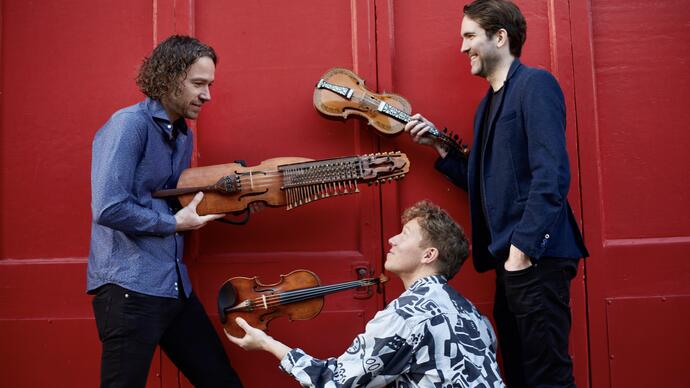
(501, 38)
(430, 255)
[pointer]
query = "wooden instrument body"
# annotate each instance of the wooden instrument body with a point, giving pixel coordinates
(259, 317)
(297, 296)
(340, 92)
(261, 182)
(362, 102)
(291, 181)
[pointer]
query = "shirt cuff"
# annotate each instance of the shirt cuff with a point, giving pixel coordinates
(288, 362)
(168, 223)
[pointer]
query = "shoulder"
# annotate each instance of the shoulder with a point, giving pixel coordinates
(130, 122)
(536, 77)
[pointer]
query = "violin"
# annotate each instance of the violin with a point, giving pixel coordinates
(290, 181)
(297, 296)
(341, 92)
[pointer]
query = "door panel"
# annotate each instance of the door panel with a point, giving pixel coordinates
(631, 97)
(271, 56)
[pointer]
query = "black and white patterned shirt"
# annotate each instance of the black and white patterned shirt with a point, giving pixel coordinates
(431, 336)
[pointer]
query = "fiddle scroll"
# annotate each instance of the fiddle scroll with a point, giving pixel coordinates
(340, 92)
(297, 296)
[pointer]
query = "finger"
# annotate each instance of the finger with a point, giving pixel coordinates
(211, 217)
(235, 340)
(196, 200)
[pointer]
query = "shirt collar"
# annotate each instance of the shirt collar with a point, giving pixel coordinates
(160, 115)
(513, 68)
(433, 279)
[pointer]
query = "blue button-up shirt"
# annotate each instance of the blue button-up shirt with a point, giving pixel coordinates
(133, 239)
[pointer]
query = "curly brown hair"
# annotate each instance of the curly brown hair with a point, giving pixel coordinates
(160, 73)
(440, 231)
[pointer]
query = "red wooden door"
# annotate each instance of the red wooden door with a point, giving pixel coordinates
(632, 91)
(66, 66)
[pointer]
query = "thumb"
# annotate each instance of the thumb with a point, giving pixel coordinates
(242, 324)
(196, 200)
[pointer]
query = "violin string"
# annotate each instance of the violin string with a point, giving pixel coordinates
(307, 293)
(304, 294)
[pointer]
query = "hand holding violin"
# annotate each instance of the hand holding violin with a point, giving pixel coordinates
(188, 219)
(255, 339)
(419, 127)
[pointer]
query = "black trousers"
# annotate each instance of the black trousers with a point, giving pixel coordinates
(532, 314)
(131, 325)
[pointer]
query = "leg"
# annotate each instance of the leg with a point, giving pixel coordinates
(508, 336)
(539, 299)
(128, 330)
(192, 344)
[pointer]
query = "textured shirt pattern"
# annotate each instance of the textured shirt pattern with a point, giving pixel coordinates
(430, 336)
(133, 239)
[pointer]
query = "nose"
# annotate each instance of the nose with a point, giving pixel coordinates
(392, 240)
(205, 95)
(464, 47)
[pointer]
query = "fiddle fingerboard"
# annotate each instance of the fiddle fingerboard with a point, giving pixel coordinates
(448, 142)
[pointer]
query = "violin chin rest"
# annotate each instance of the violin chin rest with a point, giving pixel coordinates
(227, 297)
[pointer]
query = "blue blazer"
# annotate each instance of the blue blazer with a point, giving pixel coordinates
(525, 174)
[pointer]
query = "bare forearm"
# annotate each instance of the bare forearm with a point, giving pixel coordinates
(276, 348)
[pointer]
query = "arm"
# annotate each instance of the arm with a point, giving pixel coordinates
(117, 149)
(379, 355)
(544, 117)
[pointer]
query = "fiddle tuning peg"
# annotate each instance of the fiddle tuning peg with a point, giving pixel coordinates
(445, 130)
(455, 137)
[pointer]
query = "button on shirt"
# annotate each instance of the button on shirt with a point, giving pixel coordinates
(430, 336)
(133, 239)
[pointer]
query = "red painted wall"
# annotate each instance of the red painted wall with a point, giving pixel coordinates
(66, 66)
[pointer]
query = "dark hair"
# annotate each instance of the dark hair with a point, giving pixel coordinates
(440, 231)
(160, 73)
(492, 15)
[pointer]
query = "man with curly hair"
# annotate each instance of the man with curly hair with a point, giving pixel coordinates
(430, 336)
(143, 294)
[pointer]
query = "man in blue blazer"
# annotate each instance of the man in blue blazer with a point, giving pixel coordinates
(517, 177)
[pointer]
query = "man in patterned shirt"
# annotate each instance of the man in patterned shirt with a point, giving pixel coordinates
(430, 336)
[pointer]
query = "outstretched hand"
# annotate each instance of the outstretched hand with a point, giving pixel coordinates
(188, 219)
(255, 339)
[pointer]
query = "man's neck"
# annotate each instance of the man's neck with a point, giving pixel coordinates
(498, 77)
(169, 111)
(410, 279)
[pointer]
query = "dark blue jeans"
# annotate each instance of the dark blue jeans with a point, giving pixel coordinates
(532, 314)
(131, 325)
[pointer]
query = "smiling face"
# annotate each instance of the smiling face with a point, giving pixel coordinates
(482, 50)
(406, 253)
(194, 91)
